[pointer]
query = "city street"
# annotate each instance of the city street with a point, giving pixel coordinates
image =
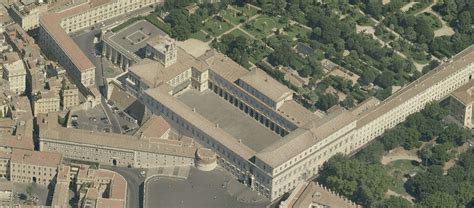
(111, 116)
(134, 183)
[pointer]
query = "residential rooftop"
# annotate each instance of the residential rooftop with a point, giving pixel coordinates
(29, 157)
(154, 127)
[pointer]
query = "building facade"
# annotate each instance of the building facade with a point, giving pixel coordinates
(55, 26)
(306, 142)
(15, 73)
(69, 97)
(33, 166)
(137, 151)
(460, 105)
(6, 193)
(4, 165)
(27, 15)
(46, 102)
(163, 49)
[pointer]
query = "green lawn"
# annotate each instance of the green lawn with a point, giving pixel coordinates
(200, 36)
(233, 16)
(248, 10)
(150, 18)
(126, 23)
(159, 23)
(398, 169)
(295, 31)
(258, 54)
(262, 26)
(238, 32)
(216, 27)
(402, 167)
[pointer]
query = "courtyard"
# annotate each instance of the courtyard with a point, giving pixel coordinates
(229, 118)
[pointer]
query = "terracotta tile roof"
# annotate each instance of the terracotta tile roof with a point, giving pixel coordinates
(51, 23)
(48, 159)
(155, 127)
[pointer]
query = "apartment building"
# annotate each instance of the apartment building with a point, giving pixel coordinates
(15, 73)
(101, 188)
(288, 143)
(32, 166)
(27, 13)
(45, 102)
(61, 187)
(6, 193)
(4, 165)
(69, 97)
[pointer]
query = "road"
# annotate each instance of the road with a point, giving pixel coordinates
(134, 184)
(112, 117)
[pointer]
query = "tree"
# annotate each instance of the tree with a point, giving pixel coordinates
(440, 154)
(372, 154)
(326, 101)
(465, 21)
(374, 8)
(391, 139)
(367, 77)
(425, 154)
(385, 79)
(438, 200)
(394, 202)
(464, 193)
(433, 64)
(348, 102)
(453, 135)
(236, 47)
(435, 111)
(410, 138)
(363, 183)
(282, 55)
(424, 31)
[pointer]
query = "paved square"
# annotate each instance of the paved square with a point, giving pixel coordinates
(216, 188)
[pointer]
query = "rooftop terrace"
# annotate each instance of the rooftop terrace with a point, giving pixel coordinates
(134, 37)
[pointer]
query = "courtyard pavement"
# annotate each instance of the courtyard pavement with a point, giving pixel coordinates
(216, 188)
